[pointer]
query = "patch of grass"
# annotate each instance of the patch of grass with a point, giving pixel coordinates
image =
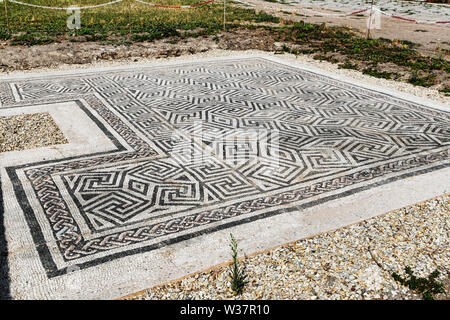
(84, 32)
(137, 22)
(322, 57)
(236, 272)
(423, 81)
(96, 37)
(342, 40)
(380, 74)
(28, 39)
(348, 65)
(156, 33)
(4, 35)
(307, 51)
(425, 286)
(285, 48)
(331, 42)
(118, 42)
(265, 17)
(445, 91)
(410, 44)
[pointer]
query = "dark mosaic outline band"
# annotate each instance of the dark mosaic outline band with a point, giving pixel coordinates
(207, 217)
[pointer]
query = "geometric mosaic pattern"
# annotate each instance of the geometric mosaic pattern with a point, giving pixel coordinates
(205, 146)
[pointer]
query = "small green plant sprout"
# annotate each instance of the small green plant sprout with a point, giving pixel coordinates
(236, 272)
(426, 286)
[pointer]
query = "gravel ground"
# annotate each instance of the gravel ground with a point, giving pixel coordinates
(354, 262)
(27, 131)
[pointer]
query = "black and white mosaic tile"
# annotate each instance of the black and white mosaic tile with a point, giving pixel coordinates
(206, 146)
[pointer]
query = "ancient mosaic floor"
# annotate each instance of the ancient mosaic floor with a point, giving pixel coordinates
(163, 162)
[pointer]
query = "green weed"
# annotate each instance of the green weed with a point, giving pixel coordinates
(426, 286)
(236, 272)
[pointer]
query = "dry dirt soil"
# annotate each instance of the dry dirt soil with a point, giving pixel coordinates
(432, 37)
(69, 52)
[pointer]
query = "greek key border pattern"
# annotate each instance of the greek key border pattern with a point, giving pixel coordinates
(73, 246)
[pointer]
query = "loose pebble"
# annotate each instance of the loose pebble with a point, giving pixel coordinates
(342, 264)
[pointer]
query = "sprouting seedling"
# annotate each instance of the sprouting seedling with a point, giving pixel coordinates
(426, 286)
(236, 272)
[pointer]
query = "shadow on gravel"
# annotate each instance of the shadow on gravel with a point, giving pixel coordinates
(4, 269)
